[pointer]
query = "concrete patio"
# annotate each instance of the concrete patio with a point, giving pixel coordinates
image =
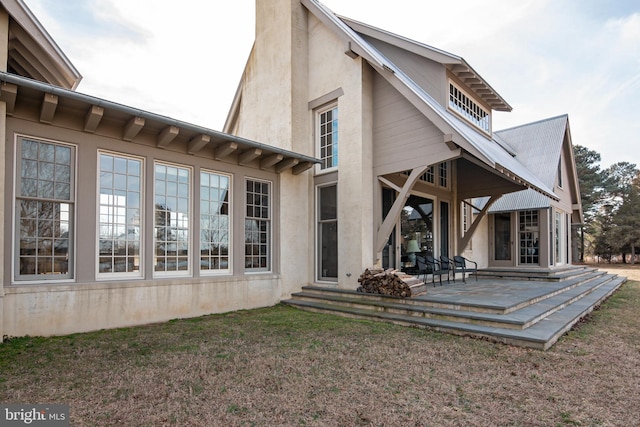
(533, 310)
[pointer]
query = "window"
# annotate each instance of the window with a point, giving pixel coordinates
(44, 210)
(328, 137)
(257, 226)
(328, 233)
(529, 237)
(119, 214)
(215, 224)
(429, 175)
(460, 102)
(171, 219)
(560, 173)
(442, 174)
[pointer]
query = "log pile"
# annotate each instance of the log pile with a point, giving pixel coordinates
(390, 282)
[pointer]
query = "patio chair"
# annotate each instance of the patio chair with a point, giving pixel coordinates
(423, 270)
(462, 265)
(448, 264)
(435, 269)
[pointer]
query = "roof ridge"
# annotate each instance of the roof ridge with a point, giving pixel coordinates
(537, 122)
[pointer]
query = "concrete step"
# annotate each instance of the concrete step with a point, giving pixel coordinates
(538, 325)
(535, 274)
(519, 319)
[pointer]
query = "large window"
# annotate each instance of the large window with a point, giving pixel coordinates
(257, 226)
(328, 233)
(171, 217)
(44, 210)
(529, 230)
(328, 137)
(119, 214)
(215, 224)
(464, 105)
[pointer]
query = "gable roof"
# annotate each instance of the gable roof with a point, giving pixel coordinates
(478, 146)
(538, 146)
(32, 51)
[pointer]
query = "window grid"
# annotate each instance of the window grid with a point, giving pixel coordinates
(214, 221)
(172, 190)
(328, 134)
(44, 210)
(468, 108)
(529, 237)
(257, 226)
(119, 214)
(443, 174)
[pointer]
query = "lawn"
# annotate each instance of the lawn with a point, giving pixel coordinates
(280, 366)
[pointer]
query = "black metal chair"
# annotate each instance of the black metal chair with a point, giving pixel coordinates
(448, 264)
(462, 265)
(435, 269)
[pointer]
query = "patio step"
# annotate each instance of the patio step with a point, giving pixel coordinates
(535, 274)
(537, 324)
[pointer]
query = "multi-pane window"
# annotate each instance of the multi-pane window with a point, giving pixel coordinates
(529, 237)
(328, 137)
(44, 210)
(328, 233)
(468, 108)
(119, 214)
(257, 226)
(214, 222)
(443, 174)
(171, 218)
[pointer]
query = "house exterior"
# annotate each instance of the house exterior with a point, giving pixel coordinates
(409, 155)
(345, 147)
(114, 216)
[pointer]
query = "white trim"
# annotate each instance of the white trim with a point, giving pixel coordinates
(177, 273)
(229, 269)
(119, 275)
(270, 220)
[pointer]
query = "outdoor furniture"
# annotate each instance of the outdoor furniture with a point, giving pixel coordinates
(448, 264)
(462, 265)
(435, 269)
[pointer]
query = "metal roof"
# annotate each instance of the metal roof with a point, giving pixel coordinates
(166, 130)
(488, 151)
(538, 146)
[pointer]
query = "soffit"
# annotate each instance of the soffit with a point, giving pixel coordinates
(32, 51)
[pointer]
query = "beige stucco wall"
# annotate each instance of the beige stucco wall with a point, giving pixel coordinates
(69, 308)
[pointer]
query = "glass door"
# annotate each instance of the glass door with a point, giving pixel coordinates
(503, 246)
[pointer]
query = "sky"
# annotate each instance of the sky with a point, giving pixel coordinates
(545, 57)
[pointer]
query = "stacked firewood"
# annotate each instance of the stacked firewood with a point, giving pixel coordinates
(389, 282)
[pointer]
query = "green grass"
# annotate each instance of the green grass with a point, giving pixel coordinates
(283, 366)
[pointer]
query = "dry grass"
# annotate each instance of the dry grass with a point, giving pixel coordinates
(284, 367)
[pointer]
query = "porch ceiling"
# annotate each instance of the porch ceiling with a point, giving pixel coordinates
(474, 180)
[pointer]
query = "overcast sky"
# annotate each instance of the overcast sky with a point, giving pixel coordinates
(545, 57)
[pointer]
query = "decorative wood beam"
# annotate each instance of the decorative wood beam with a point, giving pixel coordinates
(225, 150)
(271, 160)
(394, 213)
(166, 136)
(249, 155)
(93, 118)
(448, 140)
(389, 184)
(301, 167)
(48, 108)
(464, 241)
(8, 94)
(133, 128)
(197, 143)
(286, 164)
